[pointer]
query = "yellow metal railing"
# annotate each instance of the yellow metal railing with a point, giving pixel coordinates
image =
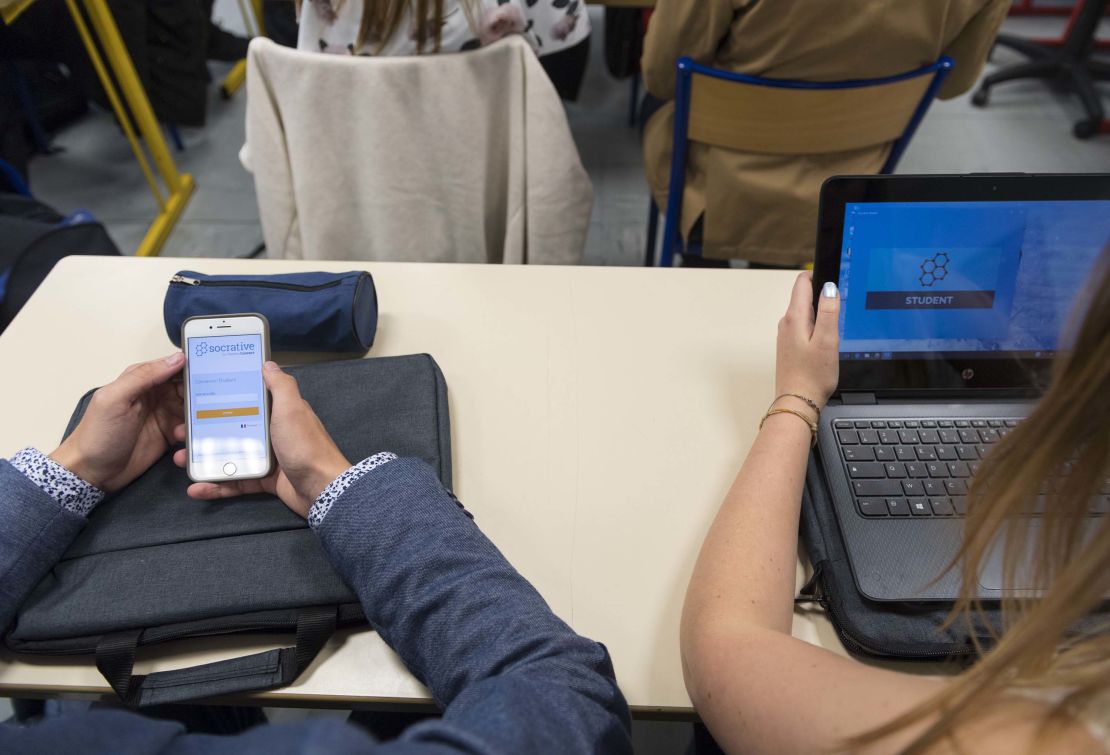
(11, 12)
(137, 114)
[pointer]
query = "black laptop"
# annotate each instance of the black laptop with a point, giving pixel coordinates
(957, 294)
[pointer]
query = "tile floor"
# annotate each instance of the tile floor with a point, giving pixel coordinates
(1026, 128)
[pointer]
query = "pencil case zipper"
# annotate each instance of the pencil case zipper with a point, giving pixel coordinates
(181, 280)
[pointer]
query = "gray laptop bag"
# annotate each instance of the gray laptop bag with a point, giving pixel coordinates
(154, 565)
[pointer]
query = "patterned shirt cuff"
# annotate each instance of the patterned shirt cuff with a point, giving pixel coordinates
(339, 485)
(57, 482)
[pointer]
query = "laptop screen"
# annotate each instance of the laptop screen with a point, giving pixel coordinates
(992, 279)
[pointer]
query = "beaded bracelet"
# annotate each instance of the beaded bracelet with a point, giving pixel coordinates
(809, 402)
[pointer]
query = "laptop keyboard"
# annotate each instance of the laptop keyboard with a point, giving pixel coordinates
(921, 468)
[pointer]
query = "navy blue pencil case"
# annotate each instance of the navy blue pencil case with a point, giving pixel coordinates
(333, 312)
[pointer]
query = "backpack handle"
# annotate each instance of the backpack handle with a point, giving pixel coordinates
(115, 658)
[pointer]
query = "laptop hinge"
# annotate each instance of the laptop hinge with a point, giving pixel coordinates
(858, 399)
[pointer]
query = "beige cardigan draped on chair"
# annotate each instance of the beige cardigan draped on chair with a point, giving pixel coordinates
(451, 158)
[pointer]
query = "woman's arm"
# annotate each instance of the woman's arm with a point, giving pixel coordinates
(757, 688)
(751, 548)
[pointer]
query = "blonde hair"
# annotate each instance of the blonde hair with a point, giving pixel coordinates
(381, 20)
(1063, 447)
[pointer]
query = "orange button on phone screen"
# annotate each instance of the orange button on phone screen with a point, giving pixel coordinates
(242, 411)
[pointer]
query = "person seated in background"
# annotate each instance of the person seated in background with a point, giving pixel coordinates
(558, 30)
(1043, 688)
(512, 677)
(761, 207)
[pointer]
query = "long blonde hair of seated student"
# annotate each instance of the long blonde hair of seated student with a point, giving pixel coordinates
(381, 19)
(1064, 444)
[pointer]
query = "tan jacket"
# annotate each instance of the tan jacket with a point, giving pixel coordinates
(761, 207)
(438, 158)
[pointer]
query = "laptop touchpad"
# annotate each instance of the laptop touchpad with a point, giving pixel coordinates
(991, 576)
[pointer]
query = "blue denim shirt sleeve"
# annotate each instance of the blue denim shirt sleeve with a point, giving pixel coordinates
(35, 530)
(512, 676)
(322, 505)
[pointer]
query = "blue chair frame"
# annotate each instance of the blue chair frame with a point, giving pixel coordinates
(11, 180)
(687, 67)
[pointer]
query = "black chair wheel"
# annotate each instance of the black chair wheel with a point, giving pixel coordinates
(981, 97)
(1085, 129)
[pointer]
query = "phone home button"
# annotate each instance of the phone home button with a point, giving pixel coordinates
(230, 469)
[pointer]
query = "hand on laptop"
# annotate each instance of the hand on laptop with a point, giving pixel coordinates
(128, 425)
(808, 361)
(308, 459)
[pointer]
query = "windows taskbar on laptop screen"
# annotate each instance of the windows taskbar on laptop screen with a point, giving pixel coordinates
(1018, 356)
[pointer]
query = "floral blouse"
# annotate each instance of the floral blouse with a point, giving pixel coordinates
(550, 26)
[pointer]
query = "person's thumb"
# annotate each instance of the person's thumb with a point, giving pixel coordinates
(828, 315)
(283, 386)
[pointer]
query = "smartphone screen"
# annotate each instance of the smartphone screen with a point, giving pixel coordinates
(227, 407)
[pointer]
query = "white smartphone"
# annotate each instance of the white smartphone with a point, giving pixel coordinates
(226, 403)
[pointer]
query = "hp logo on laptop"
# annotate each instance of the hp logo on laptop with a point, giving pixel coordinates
(967, 374)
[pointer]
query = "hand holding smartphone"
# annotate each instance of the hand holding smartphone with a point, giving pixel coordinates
(226, 404)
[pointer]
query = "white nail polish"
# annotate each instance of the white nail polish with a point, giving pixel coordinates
(829, 290)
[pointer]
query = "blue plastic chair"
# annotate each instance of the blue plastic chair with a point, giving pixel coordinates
(781, 116)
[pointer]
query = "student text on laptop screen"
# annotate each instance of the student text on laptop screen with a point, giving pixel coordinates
(925, 279)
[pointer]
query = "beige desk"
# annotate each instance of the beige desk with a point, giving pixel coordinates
(598, 416)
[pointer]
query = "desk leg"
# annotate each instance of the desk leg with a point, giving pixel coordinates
(179, 186)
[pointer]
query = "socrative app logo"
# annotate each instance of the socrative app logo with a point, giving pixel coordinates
(934, 269)
(243, 347)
